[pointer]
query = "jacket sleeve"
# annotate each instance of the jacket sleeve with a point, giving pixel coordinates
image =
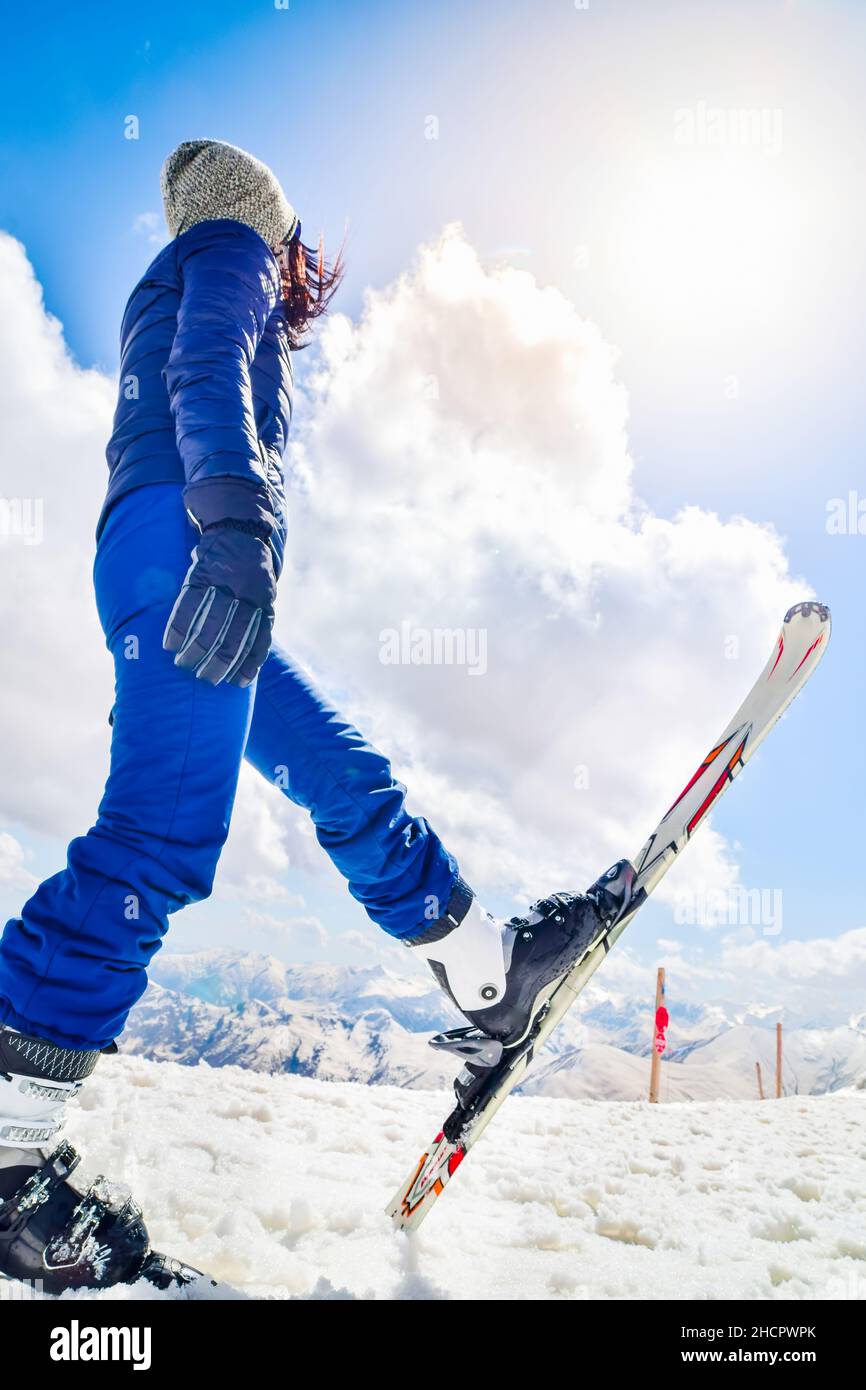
(230, 287)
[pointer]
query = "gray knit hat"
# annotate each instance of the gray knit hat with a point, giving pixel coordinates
(205, 179)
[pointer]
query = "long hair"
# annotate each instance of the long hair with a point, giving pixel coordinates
(309, 284)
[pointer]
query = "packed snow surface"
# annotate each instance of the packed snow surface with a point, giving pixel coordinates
(276, 1185)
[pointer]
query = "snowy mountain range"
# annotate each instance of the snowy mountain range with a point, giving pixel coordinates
(369, 1025)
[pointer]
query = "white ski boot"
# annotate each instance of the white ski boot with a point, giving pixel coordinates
(500, 974)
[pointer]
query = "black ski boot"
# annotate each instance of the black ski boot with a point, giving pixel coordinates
(51, 1234)
(501, 974)
(511, 969)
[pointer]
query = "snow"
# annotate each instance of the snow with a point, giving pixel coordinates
(276, 1185)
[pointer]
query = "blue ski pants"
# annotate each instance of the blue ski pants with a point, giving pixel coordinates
(75, 961)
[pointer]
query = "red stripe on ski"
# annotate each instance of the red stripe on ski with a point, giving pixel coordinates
(412, 1200)
(727, 776)
(708, 761)
(779, 655)
(817, 642)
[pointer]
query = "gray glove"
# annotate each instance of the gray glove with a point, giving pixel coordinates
(221, 625)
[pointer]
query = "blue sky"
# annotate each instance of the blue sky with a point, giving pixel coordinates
(731, 285)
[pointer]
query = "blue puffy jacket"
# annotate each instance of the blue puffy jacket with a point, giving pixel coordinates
(205, 368)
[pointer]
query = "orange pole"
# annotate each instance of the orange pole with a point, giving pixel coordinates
(760, 1081)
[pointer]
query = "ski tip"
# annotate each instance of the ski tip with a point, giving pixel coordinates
(809, 608)
(400, 1208)
(403, 1216)
(803, 640)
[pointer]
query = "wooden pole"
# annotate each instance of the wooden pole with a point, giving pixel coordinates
(658, 1037)
(760, 1081)
(778, 1061)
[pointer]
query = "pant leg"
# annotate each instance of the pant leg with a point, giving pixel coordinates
(395, 865)
(75, 961)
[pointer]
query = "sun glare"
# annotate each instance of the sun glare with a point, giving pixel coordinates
(713, 234)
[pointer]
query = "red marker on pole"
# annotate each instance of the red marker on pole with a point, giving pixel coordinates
(660, 1023)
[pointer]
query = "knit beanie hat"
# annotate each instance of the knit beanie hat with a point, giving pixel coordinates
(205, 179)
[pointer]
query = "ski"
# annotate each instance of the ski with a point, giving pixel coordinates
(800, 645)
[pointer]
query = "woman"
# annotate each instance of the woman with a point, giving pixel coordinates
(189, 550)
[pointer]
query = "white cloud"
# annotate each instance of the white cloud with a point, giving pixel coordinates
(820, 981)
(150, 226)
(296, 935)
(821, 976)
(13, 856)
(265, 843)
(461, 462)
(56, 690)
